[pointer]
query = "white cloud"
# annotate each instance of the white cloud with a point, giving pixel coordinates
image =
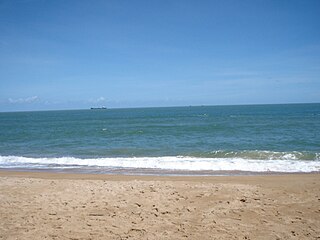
(98, 100)
(101, 99)
(24, 100)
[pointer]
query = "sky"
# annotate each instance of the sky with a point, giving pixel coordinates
(66, 54)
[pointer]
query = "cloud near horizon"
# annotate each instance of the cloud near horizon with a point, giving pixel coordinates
(24, 100)
(98, 100)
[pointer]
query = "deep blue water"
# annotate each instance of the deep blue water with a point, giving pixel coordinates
(259, 132)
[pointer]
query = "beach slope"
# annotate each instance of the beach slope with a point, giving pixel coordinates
(84, 206)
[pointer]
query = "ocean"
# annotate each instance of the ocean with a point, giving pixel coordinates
(211, 140)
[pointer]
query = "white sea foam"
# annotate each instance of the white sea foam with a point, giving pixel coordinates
(166, 163)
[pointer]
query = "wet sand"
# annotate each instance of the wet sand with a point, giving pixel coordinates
(88, 206)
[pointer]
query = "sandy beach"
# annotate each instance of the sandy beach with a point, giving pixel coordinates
(84, 206)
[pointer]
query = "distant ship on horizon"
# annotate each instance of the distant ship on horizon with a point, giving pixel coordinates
(98, 108)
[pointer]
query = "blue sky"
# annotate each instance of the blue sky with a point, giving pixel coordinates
(76, 54)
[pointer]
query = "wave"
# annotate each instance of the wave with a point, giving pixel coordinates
(260, 155)
(166, 163)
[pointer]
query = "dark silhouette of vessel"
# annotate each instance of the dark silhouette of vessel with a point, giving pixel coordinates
(98, 108)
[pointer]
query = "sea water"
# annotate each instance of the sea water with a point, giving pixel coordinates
(197, 140)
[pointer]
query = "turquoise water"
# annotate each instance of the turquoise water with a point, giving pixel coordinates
(180, 138)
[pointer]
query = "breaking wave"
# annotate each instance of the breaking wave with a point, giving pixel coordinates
(283, 162)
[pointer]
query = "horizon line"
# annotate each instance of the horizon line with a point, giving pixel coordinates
(174, 106)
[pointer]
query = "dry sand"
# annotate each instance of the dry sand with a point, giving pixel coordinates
(78, 206)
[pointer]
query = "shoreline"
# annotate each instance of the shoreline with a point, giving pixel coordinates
(153, 172)
(44, 174)
(39, 205)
